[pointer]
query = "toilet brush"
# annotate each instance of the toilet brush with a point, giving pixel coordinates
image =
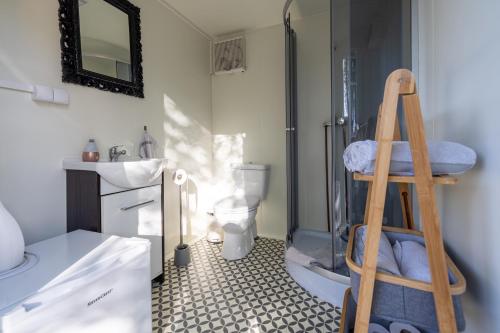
(182, 256)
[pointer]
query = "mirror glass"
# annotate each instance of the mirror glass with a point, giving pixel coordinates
(105, 39)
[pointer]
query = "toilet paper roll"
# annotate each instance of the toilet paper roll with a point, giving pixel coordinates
(42, 94)
(179, 177)
(402, 328)
(376, 328)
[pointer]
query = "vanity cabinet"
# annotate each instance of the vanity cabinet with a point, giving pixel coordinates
(96, 205)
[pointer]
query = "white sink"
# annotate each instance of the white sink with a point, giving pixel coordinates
(124, 174)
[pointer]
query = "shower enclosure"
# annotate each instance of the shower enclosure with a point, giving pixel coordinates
(338, 55)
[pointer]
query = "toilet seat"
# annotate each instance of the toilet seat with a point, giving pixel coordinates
(237, 204)
(237, 213)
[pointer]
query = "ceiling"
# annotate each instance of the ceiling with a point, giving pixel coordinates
(222, 17)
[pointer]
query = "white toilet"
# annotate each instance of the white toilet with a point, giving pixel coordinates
(236, 213)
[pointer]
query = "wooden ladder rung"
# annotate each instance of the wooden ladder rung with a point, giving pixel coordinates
(441, 180)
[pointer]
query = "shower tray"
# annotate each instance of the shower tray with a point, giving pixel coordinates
(307, 261)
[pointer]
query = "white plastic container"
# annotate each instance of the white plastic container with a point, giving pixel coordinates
(11, 241)
(83, 282)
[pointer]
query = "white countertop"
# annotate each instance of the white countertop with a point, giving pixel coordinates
(128, 174)
(77, 164)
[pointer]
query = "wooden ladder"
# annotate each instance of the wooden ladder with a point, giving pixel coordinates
(402, 83)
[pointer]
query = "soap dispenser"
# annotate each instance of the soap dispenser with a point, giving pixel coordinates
(90, 152)
(147, 145)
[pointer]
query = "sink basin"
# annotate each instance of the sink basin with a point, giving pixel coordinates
(125, 174)
(131, 174)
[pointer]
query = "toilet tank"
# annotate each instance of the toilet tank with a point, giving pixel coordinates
(252, 179)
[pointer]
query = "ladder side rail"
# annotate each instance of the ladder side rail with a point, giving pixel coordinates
(399, 82)
(429, 214)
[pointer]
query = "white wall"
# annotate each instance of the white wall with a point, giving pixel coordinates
(458, 78)
(35, 137)
(249, 122)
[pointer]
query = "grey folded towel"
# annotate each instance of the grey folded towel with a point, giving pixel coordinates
(402, 328)
(377, 328)
(446, 157)
(385, 260)
(412, 260)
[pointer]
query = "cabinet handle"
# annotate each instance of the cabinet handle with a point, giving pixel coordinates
(137, 205)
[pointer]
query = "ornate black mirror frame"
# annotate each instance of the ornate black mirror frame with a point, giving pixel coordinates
(71, 55)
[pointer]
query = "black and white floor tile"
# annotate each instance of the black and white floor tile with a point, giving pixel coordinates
(254, 294)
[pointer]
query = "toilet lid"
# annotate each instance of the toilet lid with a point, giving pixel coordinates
(238, 204)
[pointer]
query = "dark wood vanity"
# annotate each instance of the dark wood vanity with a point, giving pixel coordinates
(96, 205)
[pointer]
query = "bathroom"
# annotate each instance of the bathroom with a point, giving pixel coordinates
(205, 124)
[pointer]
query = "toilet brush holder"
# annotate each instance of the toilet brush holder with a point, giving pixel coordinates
(182, 254)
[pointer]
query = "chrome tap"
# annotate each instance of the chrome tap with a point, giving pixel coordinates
(114, 153)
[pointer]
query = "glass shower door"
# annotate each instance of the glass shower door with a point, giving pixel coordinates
(338, 55)
(370, 39)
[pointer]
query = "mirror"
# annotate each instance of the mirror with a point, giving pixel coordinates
(105, 39)
(100, 44)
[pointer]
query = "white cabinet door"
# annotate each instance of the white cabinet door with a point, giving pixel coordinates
(136, 213)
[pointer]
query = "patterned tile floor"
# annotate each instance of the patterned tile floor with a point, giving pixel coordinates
(254, 294)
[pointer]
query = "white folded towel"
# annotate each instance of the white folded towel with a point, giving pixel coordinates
(320, 257)
(446, 157)
(298, 257)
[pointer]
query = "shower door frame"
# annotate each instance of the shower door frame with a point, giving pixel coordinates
(291, 128)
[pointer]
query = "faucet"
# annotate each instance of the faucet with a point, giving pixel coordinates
(114, 153)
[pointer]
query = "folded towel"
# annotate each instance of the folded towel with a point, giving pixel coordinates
(298, 257)
(412, 260)
(402, 328)
(446, 157)
(320, 258)
(385, 260)
(377, 328)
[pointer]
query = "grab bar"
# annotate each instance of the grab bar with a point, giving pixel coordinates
(137, 205)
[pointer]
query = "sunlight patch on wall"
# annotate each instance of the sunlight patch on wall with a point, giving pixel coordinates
(9, 66)
(173, 132)
(175, 114)
(228, 150)
(187, 145)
